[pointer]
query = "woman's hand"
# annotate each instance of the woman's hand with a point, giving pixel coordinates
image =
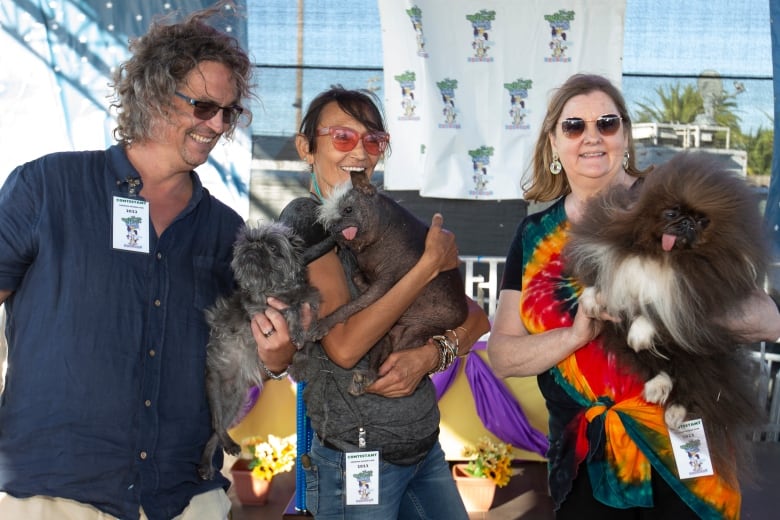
(441, 251)
(272, 336)
(513, 352)
(585, 327)
(403, 370)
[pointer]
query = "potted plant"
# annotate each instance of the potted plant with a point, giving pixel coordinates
(488, 467)
(260, 461)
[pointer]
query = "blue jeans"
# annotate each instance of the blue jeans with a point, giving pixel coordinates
(424, 491)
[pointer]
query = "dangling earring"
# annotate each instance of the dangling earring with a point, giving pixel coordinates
(555, 165)
(316, 184)
(626, 157)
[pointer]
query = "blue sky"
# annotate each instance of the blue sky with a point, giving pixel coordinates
(730, 36)
(668, 37)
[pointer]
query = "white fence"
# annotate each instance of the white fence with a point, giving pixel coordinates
(482, 278)
(768, 388)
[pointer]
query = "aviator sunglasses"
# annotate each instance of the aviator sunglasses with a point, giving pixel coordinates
(205, 110)
(607, 125)
(345, 139)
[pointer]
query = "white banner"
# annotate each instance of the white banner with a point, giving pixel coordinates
(467, 85)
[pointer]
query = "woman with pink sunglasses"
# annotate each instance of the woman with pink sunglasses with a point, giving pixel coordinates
(398, 416)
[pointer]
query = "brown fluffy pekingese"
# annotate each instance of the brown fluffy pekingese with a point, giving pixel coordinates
(671, 258)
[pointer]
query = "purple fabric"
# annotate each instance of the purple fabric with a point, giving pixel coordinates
(251, 398)
(499, 410)
(496, 406)
(443, 380)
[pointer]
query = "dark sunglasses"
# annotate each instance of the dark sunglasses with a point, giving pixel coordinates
(205, 110)
(345, 139)
(607, 125)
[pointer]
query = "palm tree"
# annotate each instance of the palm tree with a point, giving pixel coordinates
(676, 106)
(759, 147)
(681, 104)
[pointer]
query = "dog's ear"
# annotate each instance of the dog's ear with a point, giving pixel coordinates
(361, 183)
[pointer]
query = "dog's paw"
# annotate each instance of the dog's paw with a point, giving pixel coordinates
(360, 381)
(589, 302)
(232, 448)
(298, 338)
(658, 388)
(206, 471)
(316, 331)
(228, 444)
(674, 415)
(641, 334)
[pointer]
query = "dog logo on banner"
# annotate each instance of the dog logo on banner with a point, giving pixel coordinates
(560, 23)
(447, 88)
(481, 24)
(480, 159)
(408, 104)
(415, 15)
(518, 93)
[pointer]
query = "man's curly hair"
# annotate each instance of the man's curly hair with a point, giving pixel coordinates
(144, 85)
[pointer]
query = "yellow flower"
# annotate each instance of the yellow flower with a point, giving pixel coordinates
(268, 458)
(490, 460)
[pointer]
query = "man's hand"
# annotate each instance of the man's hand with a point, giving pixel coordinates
(272, 336)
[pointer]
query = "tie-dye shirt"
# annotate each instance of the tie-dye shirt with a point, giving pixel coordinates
(597, 415)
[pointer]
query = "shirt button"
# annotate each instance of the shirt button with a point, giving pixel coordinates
(152, 353)
(148, 403)
(157, 303)
(159, 256)
(143, 455)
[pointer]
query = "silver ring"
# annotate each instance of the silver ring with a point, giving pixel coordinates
(269, 333)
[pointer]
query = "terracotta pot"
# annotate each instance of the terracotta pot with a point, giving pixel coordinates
(250, 490)
(477, 493)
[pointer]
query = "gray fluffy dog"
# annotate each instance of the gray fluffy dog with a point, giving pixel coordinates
(267, 261)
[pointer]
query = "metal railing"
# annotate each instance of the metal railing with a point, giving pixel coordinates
(768, 392)
(481, 280)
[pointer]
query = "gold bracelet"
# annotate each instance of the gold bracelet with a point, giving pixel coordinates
(457, 341)
(455, 335)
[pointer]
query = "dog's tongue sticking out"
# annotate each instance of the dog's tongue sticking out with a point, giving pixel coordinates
(349, 233)
(667, 241)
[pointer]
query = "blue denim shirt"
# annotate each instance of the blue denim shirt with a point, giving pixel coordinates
(105, 396)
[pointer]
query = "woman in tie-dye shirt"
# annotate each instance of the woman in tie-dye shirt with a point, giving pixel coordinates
(610, 455)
